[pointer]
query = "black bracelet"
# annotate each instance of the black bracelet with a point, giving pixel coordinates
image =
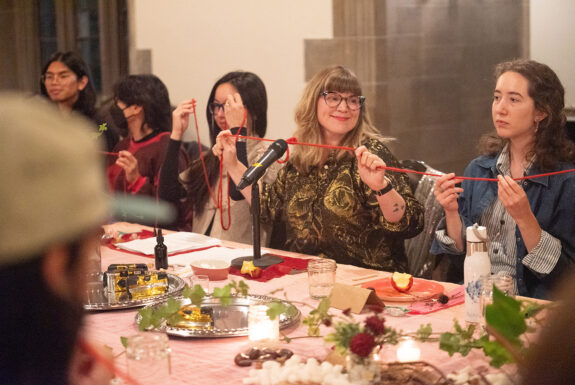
(386, 189)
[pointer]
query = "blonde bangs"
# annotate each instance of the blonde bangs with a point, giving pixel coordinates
(338, 79)
(343, 82)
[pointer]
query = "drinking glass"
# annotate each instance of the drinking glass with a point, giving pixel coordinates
(502, 281)
(321, 277)
(148, 358)
(202, 280)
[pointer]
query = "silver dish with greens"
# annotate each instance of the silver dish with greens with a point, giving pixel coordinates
(221, 320)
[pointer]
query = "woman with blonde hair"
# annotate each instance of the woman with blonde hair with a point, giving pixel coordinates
(332, 203)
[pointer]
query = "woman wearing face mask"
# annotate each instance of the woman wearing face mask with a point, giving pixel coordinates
(331, 202)
(529, 223)
(191, 186)
(143, 106)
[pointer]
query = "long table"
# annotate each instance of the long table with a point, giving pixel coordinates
(206, 361)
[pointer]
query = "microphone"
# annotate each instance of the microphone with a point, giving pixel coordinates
(255, 172)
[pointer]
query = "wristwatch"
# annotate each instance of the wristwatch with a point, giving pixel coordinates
(386, 189)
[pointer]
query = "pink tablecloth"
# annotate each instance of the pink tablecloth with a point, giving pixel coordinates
(207, 361)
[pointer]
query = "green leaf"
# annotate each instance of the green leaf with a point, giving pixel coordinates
(450, 342)
(275, 309)
(499, 355)
(172, 305)
(324, 306)
(187, 292)
(124, 341)
(424, 332)
(146, 318)
(223, 294)
(392, 336)
(195, 294)
(505, 316)
(342, 336)
(243, 288)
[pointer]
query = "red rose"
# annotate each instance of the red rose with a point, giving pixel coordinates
(375, 325)
(362, 344)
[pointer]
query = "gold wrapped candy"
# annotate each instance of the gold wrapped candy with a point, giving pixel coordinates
(194, 317)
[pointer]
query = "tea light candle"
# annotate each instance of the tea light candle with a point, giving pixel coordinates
(407, 350)
(262, 331)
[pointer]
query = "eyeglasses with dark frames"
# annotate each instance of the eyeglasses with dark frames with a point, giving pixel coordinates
(215, 107)
(333, 100)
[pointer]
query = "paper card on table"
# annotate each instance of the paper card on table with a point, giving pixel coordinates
(352, 297)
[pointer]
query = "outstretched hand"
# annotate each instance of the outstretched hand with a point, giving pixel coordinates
(226, 146)
(181, 118)
(129, 163)
(513, 198)
(446, 192)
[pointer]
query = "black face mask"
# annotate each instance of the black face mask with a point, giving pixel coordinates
(118, 117)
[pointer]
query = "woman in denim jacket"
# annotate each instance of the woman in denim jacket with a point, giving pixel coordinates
(530, 223)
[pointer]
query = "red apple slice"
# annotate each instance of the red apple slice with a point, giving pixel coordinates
(401, 282)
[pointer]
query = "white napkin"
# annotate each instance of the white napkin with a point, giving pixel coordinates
(175, 242)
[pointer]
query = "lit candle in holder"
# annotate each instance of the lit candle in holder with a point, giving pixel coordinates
(407, 350)
(262, 331)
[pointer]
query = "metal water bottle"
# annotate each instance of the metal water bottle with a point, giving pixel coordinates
(476, 266)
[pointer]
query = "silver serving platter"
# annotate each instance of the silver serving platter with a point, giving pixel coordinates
(97, 299)
(230, 320)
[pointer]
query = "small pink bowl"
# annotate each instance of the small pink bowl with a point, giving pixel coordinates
(215, 269)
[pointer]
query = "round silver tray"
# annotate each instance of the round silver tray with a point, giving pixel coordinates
(97, 299)
(230, 320)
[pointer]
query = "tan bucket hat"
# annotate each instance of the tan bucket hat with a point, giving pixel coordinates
(52, 181)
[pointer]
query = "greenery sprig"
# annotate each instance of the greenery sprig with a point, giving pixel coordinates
(101, 129)
(155, 317)
(506, 324)
(505, 340)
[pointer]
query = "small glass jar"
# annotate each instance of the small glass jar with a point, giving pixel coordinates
(321, 277)
(148, 358)
(262, 331)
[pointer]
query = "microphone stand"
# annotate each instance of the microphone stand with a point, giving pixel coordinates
(259, 260)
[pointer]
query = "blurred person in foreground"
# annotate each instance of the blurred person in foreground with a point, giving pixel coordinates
(333, 203)
(550, 359)
(530, 223)
(53, 203)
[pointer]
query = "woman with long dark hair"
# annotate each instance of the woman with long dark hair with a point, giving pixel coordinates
(191, 185)
(529, 223)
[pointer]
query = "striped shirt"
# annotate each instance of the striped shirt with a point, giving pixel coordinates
(501, 228)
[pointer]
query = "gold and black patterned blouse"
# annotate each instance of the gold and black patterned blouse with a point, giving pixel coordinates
(330, 212)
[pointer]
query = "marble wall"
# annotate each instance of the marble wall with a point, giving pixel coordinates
(426, 68)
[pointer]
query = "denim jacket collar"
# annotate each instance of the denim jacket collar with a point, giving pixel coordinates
(490, 163)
